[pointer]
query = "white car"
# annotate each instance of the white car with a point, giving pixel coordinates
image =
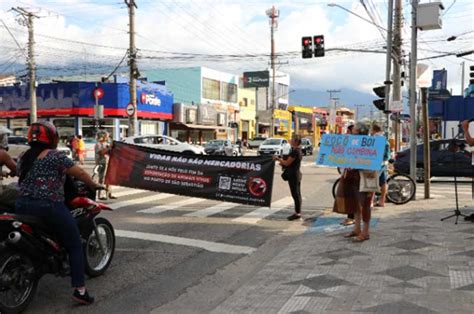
(274, 146)
(165, 143)
(17, 145)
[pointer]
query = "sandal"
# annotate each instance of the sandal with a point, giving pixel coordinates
(347, 222)
(361, 238)
(351, 234)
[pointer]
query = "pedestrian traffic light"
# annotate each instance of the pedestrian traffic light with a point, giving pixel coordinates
(319, 46)
(471, 75)
(307, 47)
(380, 92)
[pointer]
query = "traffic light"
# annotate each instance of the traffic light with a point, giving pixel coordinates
(471, 75)
(380, 92)
(307, 47)
(319, 46)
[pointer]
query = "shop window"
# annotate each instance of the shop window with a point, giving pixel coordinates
(211, 89)
(229, 92)
(245, 102)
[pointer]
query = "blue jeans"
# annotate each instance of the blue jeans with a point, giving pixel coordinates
(57, 216)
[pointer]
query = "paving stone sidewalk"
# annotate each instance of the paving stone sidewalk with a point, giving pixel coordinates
(413, 263)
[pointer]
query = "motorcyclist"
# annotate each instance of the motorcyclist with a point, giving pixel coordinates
(8, 193)
(42, 172)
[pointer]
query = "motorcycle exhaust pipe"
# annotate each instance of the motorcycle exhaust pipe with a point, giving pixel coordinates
(16, 240)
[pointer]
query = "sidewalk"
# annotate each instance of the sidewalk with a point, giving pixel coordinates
(413, 263)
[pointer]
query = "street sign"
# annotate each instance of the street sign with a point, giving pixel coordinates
(256, 79)
(98, 93)
(130, 110)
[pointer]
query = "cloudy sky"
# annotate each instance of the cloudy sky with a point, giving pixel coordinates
(86, 37)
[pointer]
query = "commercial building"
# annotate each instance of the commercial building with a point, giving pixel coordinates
(211, 94)
(264, 101)
(248, 113)
(70, 106)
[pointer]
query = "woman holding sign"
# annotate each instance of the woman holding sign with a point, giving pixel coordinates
(358, 201)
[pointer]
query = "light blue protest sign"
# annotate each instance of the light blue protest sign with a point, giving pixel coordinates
(351, 151)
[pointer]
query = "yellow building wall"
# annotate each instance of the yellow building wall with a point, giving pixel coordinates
(284, 117)
(249, 112)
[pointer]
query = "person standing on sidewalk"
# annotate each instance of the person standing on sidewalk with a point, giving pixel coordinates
(360, 201)
(81, 149)
(102, 149)
(383, 177)
(292, 165)
(350, 216)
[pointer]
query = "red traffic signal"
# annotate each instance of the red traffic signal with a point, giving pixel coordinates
(319, 46)
(307, 47)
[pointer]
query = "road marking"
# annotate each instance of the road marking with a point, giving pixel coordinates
(206, 245)
(262, 212)
(163, 208)
(209, 211)
(308, 164)
(127, 192)
(137, 201)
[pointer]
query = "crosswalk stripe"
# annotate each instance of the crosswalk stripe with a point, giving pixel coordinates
(206, 245)
(147, 199)
(163, 208)
(209, 211)
(262, 212)
(127, 192)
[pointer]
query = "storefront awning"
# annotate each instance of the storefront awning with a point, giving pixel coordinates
(264, 123)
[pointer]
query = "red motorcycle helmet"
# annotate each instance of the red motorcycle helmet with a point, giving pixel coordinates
(43, 132)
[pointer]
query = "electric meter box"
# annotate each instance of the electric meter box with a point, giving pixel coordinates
(429, 16)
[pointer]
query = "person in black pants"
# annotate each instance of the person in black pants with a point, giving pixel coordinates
(292, 166)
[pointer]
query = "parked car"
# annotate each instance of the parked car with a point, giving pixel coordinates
(165, 143)
(274, 146)
(222, 147)
(447, 159)
(256, 142)
(306, 146)
(17, 145)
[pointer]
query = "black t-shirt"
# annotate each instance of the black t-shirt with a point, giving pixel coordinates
(294, 168)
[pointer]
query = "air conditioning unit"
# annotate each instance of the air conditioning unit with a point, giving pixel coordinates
(190, 116)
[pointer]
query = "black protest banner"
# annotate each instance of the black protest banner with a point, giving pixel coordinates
(245, 180)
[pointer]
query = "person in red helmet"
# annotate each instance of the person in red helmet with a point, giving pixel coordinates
(42, 173)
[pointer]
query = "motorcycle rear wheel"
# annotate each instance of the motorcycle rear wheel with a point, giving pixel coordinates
(96, 261)
(18, 282)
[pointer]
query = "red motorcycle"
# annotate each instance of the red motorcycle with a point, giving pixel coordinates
(28, 250)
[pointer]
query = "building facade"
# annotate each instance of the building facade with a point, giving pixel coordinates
(248, 113)
(264, 101)
(70, 106)
(207, 87)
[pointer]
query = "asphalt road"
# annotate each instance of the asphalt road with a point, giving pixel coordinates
(181, 254)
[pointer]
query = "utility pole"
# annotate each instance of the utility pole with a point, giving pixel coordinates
(397, 60)
(388, 66)
(463, 65)
(273, 14)
(132, 55)
(28, 19)
(412, 95)
(426, 142)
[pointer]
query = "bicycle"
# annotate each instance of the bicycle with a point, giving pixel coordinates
(401, 188)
